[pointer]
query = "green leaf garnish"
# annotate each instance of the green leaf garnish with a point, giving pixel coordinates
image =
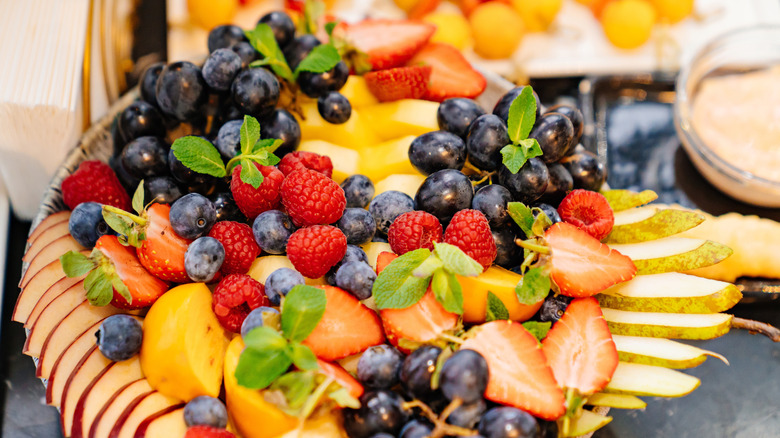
(303, 357)
(138, 198)
(538, 329)
(329, 26)
(344, 399)
(199, 155)
(257, 369)
(522, 215)
(302, 310)
(263, 150)
(541, 223)
(447, 291)
(456, 261)
(533, 287)
(296, 387)
(250, 174)
(495, 308)
(428, 267)
(263, 40)
(250, 133)
(396, 287)
(312, 11)
(516, 155)
(322, 58)
(522, 115)
(265, 338)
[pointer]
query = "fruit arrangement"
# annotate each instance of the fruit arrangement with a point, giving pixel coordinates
(275, 275)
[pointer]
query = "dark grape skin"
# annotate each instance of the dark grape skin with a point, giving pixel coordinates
(417, 370)
(553, 307)
(245, 52)
(148, 83)
(548, 210)
(487, 136)
(416, 429)
(456, 115)
(586, 170)
(334, 107)
(256, 92)
(508, 422)
(444, 193)
(283, 126)
(227, 209)
(223, 37)
(502, 106)
(184, 174)
(145, 157)
(319, 84)
(181, 90)
(437, 150)
(555, 135)
(281, 24)
(508, 254)
(560, 184)
(574, 115)
(299, 48)
(492, 201)
(464, 376)
(380, 411)
(529, 183)
(220, 68)
(140, 119)
(161, 189)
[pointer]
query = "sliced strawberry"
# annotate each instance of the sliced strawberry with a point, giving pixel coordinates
(144, 288)
(421, 323)
(399, 83)
(162, 251)
(581, 265)
(383, 259)
(347, 327)
(423, 8)
(580, 349)
(452, 74)
(388, 43)
(588, 211)
(518, 372)
(342, 377)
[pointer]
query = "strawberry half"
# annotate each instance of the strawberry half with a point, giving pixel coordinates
(399, 83)
(342, 377)
(588, 211)
(581, 265)
(383, 259)
(388, 43)
(452, 74)
(347, 327)
(518, 372)
(580, 349)
(162, 251)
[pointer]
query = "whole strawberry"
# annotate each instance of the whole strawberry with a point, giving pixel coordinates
(234, 297)
(469, 230)
(94, 181)
(314, 250)
(298, 160)
(253, 201)
(240, 246)
(414, 230)
(312, 198)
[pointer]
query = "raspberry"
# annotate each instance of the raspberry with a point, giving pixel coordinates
(588, 211)
(234, 297)
(207, 432)
(239, 243)
(414, 230)
(314, 250)
(469, 230)
(253, 201)
(94, 181)
(311, 198)
(298, 160)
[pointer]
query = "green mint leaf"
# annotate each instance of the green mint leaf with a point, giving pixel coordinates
(250, 133)
(530, 148)
(541, 223)
(312, 11)
(396, 287)
(321, 59)
(302, 356)
(199, 155)
(428, 267)
(513, 157)
(99, 289)
(496, 310)
(344, 399)
(533, 287)
(118, 285)
(447, 291)
(296, 386)
(538, 329)
(456, 261)
(262, 39)
(268, 145)
(257, 369)
(76, 264)
(302, 310)
(250, 174)
(522, 215)
(329, 26)
(138, 198)
(522, 115)
(265, 339)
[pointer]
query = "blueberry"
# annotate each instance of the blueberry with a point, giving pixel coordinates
(379, 367)
(203, 259)
(508, 422)
(220, 68)
(487, 136)
(548, 210)
(575, 117)
(456, 115)
(283, 126)
(437, 150)
(299, 48)
(388, 205)
(145, 157)
(502, 106)
(586, 170)
(380, 411)
(228, 140)
(492, 201)
(561, 183)
(356, 278)
(280, 282)
(464, 376)
(148, 83)
(467, 415)
(272, 229)
(192, 216)
(119, 337)
(359, 190)
(358, 225)
(444, 193)
(548, 429)
(256, 92)
(281, 24)
(382, 435)
(354, 254)
(261, 317)
(222, 37)
(508, 253)
(161, 189)
(181, 90)
(207, 411)
(319, 84)
(226, 207)
(246, 53)
(140, 119)
(416, 429)
(529, 183)
(553, 307)
(334, 107)
(86, 224)
(417, 370)
(555, 135)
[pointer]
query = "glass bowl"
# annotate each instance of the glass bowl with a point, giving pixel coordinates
(738, 52)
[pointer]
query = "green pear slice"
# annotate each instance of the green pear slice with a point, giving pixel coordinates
(667, 325)
(587, 422)
(621, 200)
(649, 380)
(671, 292)
(617, 401)
(673, 254)
(651, 223)
(661, 352)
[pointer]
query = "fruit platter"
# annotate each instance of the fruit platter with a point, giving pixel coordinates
(347, 230)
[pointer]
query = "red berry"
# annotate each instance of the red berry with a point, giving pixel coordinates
(234, 297)
(312, 198)
(298, 160)
(399, 83)
(94, 181)
(469, 230)
(314, 250)
(202, 431)
(253, 201)
(240, 246)
(414, 230)
(588, 211)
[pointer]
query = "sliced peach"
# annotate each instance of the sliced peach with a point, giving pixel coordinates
(37, 285)
(68, 361)
(62, 286)
(52, 233)
(135, 414)
(165, 424)
(50, 253)
(52, 219)
(502, 283)
(130, 394)
(54, 312)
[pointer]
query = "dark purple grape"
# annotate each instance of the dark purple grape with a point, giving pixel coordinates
(380, 411)
(223, 37)
(140, 119)
(467, 415)
(283, 126)
(161, 189)
(508, 422)
(145, 157)
(281, 24)
(380, 366)
(464, 376)
(334, 107)
(444, 193)
(181, 90)
(502, 107)
(220, 68)
(437, 150)
(487, 136)
(456, 115)
(416, 429)
(492, 200)
(417, 370)
(586, 170)
(529, 183)
(560, 184)
(228, 141)
(299, 48)
(147, 85)
(184, 174)
(256, 92)
(574, 115)
(555, 135)
(246, 53)
(319, 84)
(227, 209)
(508, 253)
(548, 210)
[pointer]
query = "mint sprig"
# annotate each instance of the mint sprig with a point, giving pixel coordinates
(538, 329)
(533, 287)
(302, 310)
(396, 287)
(522, 116)
(101, 278)
(495, 310)
(322, 58)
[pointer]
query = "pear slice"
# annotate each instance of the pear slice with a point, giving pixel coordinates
(673, 254)
(667, 325)
(617, 401)
(651, 223)
(671, 292)
(649, 380)
(661, 352)
(585, 423)
(621, 200)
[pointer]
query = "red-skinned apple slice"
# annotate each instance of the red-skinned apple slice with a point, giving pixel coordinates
(110, 413)
(53, 233)
(67, 362)
(164, 424)
(101, 390)
(39, 284)
(52, 219)
(74, 294)
(51, 316)
(50, 253)
(60, 287)
(92, 365)
(136, 413)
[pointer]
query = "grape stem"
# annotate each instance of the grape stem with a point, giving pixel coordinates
(441, 427)
(532, 246)
(754, 327)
